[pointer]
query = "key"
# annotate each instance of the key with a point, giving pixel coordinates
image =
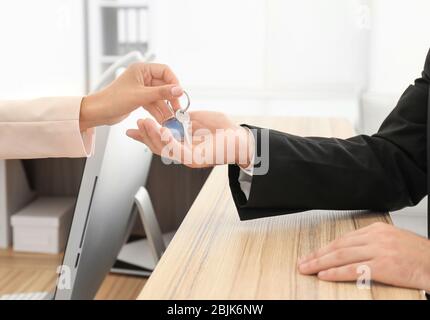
(184, 118)
(179, 123)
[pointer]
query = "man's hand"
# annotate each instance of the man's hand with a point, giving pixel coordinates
(394, 256)
(215, 140)
(142, 84)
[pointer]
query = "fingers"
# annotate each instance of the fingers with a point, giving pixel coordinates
(341, 258)
(337, 258)
(154, 101)
(344, 273)
(152, 130)
(174, 102)
(160, 84)
(158, 139)
(162, 75)
(165, 92)
(157, 112)
(172, 148)
(378, 252)
(134, 134)
(162, 140)
(162, 72)
(200, 150)
(337, 244)
(160, 111)
(141, 136)
(352, 238)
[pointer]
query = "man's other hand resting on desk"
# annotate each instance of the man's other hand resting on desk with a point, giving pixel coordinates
(393, 256)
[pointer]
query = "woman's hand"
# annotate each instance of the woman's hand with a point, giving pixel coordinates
(142, 84)
(393, 256)
(215, 139)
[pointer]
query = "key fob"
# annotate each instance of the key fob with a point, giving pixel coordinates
(176, 128)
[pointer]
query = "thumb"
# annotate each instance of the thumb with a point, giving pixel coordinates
(167, 92)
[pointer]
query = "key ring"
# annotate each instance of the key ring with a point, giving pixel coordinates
(181, 110)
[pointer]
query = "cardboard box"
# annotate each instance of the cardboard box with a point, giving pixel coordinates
(43, 225)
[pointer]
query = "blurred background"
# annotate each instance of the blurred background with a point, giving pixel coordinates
(340, 58)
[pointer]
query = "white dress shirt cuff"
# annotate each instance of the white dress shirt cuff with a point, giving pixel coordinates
(245, 174)
(245, 181)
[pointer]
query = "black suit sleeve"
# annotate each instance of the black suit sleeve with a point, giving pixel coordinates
(385, 171)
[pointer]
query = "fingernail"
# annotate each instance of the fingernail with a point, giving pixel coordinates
(176, 91)
(322, 273)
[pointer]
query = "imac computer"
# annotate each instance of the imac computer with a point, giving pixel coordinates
(103, 214)
(110, 195)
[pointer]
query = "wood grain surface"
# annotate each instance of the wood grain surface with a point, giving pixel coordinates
(216, 256)
(31, 272)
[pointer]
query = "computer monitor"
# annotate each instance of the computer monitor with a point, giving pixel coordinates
(103, 212)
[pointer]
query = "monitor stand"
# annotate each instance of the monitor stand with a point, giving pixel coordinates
(139, 255)
(135, 257)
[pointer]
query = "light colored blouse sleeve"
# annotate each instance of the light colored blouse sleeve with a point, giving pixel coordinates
(43, 128)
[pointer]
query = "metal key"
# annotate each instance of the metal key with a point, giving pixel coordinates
(184, 118)
(178, 124)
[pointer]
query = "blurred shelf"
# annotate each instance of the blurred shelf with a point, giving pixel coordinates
(124, 4)
(115, 28)
(109, 59)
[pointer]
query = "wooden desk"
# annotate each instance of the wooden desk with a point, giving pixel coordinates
(216, 256)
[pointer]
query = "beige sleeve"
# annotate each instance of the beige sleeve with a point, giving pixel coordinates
(43, 128)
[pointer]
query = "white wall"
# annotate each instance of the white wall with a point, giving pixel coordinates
(400, 40)
(265, 56)
(315, 45)
(262, 44)
(212, 43)
(41, 48)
